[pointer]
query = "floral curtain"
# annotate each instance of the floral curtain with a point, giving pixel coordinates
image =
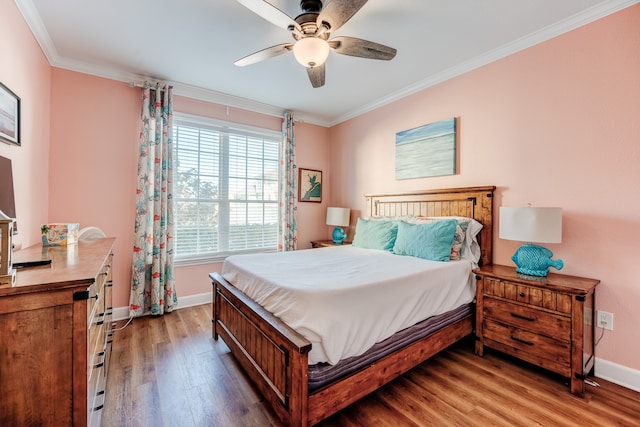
(288, 225)
(152, 281)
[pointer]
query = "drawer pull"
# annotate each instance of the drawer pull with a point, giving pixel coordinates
(520, 316)
(522, 294)
(98, 408)
(101, 363)
(521, 340)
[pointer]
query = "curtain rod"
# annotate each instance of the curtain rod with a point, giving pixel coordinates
(150, 84)
(147, 84)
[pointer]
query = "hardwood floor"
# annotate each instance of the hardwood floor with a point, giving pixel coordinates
(168, 371)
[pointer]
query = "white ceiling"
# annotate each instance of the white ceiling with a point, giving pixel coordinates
(193, 44)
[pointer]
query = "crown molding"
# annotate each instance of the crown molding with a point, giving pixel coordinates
(31, 16)
(564, 26)
(181, 89)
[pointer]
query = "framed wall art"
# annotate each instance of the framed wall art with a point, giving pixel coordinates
(309, 185)
(428, 150)
(9, 116)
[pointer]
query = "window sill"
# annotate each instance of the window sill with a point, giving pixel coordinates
(212, 258)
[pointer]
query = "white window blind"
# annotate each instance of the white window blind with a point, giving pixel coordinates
(225, 188)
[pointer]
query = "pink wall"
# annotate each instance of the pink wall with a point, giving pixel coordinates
(93, 161)
(554, 125)
(25, 70)
(312, 152)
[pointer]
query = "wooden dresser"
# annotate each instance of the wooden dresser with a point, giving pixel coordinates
(548, 321)
(55, 336)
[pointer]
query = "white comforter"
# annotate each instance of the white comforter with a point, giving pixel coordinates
(345, 299)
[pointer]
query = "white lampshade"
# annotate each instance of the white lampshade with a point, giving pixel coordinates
(338, 217)
(311, 51)
(531, 224)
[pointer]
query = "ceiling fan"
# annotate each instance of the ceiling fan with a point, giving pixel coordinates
(311, 30)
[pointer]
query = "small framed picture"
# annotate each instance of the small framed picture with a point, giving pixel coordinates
(9, 116)
(309, 185)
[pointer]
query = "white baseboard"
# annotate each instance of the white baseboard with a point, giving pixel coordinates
(621, 375)
(122, 313)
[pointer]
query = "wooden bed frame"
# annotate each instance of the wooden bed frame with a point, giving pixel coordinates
(275, 356)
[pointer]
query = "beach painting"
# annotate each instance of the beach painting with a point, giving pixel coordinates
(428, 150)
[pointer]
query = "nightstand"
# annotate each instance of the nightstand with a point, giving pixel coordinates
(547, 321)
(327, 243)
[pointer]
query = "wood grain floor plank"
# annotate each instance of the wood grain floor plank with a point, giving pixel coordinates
(168, 371)
(516, 395)
(550, 392)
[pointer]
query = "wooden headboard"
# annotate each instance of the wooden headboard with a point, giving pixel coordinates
(472, 202)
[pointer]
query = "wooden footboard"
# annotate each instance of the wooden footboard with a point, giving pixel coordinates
(273, 355)
(336, 396)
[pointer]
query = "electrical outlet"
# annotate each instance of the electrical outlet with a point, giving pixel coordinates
(605, 320)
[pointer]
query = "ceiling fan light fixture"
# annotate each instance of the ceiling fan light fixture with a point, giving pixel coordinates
(311, 51)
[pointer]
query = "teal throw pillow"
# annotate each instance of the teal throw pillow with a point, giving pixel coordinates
(428, 241)
(371, 234)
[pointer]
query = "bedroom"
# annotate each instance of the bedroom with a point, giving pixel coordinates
(577, 129)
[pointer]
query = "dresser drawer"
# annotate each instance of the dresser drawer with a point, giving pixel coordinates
(97, 339)
(533, 319)
(96, 292)
(535, 348)
(538, 297)
(97, 325)
(96, 393)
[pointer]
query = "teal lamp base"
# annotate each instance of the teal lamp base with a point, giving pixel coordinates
(534, 260)
(338, 235)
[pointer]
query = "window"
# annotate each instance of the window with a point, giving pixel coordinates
(225, 188)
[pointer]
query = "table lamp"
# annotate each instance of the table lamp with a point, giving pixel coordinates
(339, 217)
(532, 224)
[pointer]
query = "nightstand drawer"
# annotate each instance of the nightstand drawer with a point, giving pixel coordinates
(544, 351)
(551, 325)
(528, 295)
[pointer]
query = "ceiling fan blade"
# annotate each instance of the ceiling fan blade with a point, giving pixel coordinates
(270, 13)
(337, 12)
(263, 54)
(316, 75)
(362, 48)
